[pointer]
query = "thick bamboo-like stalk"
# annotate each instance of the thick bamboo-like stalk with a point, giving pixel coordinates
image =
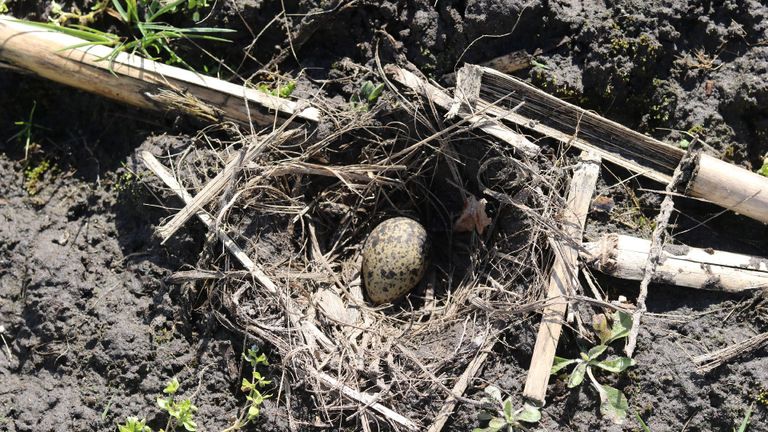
(731, 187)
(724, 184)
(136, 81)
(563, 279)
(625, 257)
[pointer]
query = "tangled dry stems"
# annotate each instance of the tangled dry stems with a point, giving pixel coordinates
(302, 210)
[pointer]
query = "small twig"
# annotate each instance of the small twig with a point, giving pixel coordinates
(657, 248)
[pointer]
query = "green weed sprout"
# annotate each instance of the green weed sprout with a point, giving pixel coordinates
(61, 17)
(195, 6)
(133, 424)
(501, 415)
(763, 171)
(26, 129)
(252, 387)
(367, 95)
(3, 7)
(282, 91)
(613, 403)
(181, 412)
(150, 37)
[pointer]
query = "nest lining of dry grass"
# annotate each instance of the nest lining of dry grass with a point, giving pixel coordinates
(302, 209)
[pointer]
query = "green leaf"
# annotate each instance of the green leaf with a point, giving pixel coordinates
(172, 387)
(493, 392)
(596, 351)
(577, 376)
(600, 325)
(262, 358)
(616, 365)
(121, 11)
(508, 410)
(246, 386)
(622, 323)
(538, 65)
(366, 90)
(165, 9)
(683, 143)
(496, 424)
(253, 412)
(763, 171)
(613, 403)
(284, 92)
(484, 416)
(375, 93)
(163, 403)
(561, 363)
(642, 423)
(190, 425)
(133, 424)
(529, 414)
(745, 422)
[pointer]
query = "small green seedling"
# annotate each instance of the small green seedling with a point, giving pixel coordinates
(613, 403)
(181, 412)
(367, 95)
(133, 424)
(282, 91)
(254, 397)
(763, 171)
(539, 65)
(252, 387)
(501, 414)
(26, 129)
(3, 7)
(196, 6)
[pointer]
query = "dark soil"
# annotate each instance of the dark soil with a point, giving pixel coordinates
(94, 333)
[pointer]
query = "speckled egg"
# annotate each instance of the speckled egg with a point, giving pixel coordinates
(394, 259)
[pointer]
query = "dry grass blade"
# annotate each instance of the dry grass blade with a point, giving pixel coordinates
(212, 189)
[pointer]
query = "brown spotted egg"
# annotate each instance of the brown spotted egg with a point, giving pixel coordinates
(394, 259)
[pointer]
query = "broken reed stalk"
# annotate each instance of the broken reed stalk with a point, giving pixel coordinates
(563, 277)
(710, 361)
(625, 257)
(137, 81)
(307, 330)
(480, 121)
(721, 183)
(658, 238)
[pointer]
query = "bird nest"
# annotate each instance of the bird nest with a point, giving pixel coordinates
(292, 209)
